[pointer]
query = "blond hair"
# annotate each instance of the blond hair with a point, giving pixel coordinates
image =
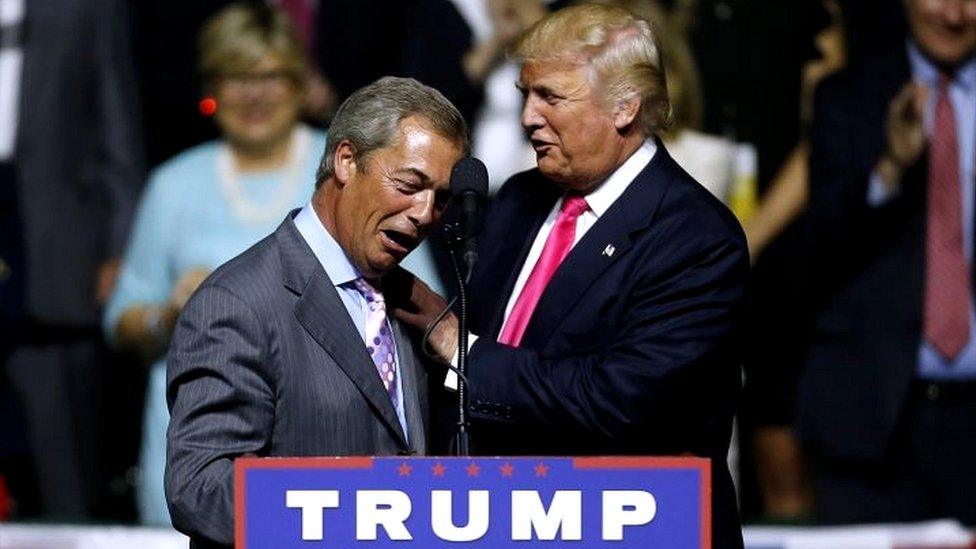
(620, 47)
(241, 35)
(684, 85)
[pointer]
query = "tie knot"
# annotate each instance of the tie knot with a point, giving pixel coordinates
(369, 291)
(573, 205)
(945, 80)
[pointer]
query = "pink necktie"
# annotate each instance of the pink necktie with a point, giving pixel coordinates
(947, 280)
(379, 338)
(557, 247)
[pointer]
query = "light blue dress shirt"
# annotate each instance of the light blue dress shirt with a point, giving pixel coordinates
(962, 94)
(343, 273)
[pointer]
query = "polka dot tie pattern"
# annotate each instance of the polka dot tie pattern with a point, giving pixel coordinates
(379, 337)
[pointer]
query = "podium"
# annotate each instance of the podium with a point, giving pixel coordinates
(493, 502)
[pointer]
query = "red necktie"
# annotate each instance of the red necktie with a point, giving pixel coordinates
(557, 247)
(948, 294)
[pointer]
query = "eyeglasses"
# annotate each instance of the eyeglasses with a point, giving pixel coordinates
(269, 80)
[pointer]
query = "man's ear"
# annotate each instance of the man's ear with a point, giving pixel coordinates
(625, 112)
(344, 163)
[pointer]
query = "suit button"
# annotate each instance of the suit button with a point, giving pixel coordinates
(932, 392)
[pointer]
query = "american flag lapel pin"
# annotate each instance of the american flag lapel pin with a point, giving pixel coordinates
(608, 251)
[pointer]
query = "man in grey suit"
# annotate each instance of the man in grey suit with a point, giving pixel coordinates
(70, 175)
(287, 349)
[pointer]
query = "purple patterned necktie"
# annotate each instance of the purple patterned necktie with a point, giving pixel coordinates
(379, 337)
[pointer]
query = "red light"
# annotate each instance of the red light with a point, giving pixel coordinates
(208, 106)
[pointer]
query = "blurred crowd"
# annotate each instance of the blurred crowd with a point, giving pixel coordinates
(144, 143)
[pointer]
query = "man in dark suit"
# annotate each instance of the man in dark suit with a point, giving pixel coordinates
(888, 397)
(608, 280)
(287, 349)
(70, 162)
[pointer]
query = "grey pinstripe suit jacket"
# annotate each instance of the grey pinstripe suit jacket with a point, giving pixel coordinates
(265, 360)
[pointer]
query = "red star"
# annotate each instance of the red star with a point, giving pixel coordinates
(541, 470)
(404, 470)
(507, 470)
(438, 470)
(473, 469)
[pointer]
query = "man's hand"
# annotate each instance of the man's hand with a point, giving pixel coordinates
(905, 133)
(105, 278)
(419, 306)
(187, 284)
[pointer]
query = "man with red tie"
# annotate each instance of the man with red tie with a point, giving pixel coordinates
(608, 280)
(888, 397)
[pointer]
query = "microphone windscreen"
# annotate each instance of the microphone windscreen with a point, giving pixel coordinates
(469, 175)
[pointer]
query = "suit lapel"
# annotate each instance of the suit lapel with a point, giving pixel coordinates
(321, 312)
(602, 246)
(410, 376)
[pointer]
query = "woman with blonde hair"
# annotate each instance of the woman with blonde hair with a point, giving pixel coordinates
(213, 201)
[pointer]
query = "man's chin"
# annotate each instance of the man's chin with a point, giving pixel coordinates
(385, 262)
(551, 170)
(946, 54)
(567, 182)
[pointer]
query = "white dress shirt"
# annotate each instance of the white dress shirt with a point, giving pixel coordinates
(11, 61)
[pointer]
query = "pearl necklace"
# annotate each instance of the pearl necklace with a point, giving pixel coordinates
(258, 213)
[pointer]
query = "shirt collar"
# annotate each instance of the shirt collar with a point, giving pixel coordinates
(926, 72)
(324, 246)
(601, 198)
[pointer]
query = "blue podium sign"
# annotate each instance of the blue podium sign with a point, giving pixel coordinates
(495, 502)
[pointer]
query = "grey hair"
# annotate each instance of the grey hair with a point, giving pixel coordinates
(370, 117)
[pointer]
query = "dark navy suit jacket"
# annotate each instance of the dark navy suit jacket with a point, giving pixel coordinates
(870, 265)
(629, 352)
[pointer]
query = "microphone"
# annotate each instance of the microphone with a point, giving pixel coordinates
(469, 186)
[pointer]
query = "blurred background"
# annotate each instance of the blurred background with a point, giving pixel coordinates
(143, 143)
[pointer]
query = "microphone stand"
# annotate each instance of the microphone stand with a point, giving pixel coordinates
(453, 236)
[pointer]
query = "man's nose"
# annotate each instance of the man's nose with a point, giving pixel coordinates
(531, 116)
(969, 12)
(421, 212)
(954, 11)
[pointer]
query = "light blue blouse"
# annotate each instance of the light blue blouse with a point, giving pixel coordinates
(186, 222)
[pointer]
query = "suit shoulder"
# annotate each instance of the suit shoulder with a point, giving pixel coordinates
(689, 205)
(250, 275)
(521, 183)
(526, 188)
